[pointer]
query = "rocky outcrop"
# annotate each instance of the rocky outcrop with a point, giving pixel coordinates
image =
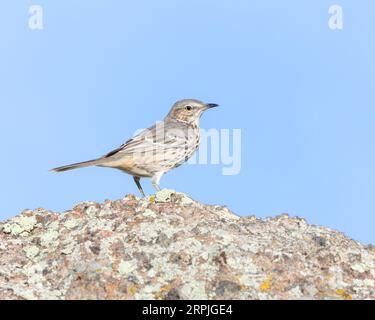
(168, 246)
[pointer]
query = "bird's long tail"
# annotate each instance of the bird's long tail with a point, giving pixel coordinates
(78, 165)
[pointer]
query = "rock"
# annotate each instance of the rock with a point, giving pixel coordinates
(19, 225)
(169, 246)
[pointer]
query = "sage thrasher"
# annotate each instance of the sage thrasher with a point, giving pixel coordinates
(157, 149)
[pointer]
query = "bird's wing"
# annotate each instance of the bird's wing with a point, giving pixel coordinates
(117, 150)
(148, 140)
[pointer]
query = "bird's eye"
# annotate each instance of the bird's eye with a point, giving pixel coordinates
(188, 108)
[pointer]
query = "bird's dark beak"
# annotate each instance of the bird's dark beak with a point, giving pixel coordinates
(211, 105)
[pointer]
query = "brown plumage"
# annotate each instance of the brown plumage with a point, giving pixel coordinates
(158, 149)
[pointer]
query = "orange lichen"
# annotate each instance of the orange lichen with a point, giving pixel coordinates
(111, 289)
(266, 284)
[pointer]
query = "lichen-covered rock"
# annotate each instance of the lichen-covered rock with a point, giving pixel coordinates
(168, 246)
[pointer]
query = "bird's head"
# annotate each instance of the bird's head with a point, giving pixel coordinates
(189, 110)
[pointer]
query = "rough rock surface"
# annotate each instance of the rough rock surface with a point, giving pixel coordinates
(170, 247)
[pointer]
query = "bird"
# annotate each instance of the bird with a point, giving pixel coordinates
(158, 149)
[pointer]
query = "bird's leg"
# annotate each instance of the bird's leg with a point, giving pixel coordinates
(155, 180)
(136, 180)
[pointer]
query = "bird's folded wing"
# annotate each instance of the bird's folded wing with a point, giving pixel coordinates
(150, 141)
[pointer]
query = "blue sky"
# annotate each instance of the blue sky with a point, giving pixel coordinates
(301, 93)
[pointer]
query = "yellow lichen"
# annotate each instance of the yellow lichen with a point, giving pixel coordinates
(343, 294)
(152, 198)
(132, 290)
(161, 294)
(266, 284)
(166, 288)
